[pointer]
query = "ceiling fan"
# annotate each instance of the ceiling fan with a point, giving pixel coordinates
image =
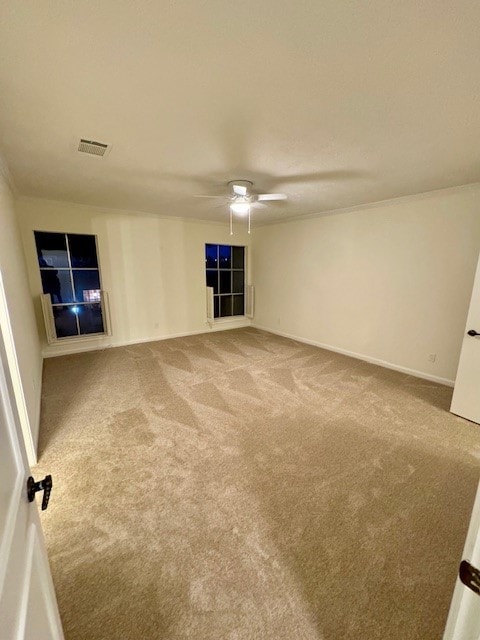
(241, 198)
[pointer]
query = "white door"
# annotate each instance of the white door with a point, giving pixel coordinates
(466, 395)
(464, 617)
(28, 607)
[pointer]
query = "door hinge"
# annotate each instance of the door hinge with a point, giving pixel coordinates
(470, 576)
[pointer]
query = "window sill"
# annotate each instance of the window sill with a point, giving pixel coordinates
(229, 319)
(69, 339)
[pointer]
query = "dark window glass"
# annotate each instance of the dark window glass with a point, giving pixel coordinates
(65, 321)
(90, 318)
(57, 253)
(211, 256)
(58, 284)
(87, 285)
(212, 280)
(225, 306)
(238, 306)
(83, 251)
(238, 281)
(51, 249)
(238, 260)
(225, 257)
(225, 282)
(225, 272)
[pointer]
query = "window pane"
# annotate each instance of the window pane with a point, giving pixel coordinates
(225, 306)
(65, 321)
(83, 250)
(225, 282)
(87, 286)
(225, 257)
(51, 249)
(57, 284)
(238, 257)
(238, 306)
(211, 255)
(238, 281)
(90, 318)
(216, 307)
(212, 280)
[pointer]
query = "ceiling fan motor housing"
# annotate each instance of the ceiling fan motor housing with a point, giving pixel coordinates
(241, 190)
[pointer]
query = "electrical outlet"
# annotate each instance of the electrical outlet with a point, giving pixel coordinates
(432, 357)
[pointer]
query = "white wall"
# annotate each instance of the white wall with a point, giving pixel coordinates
(390, 282)
(152, 267)
(24, 355)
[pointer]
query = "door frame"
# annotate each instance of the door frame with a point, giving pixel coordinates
(14, 373)
(463, 622)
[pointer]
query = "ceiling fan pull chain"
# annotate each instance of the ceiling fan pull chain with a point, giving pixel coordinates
(249, 220)
(231, 223)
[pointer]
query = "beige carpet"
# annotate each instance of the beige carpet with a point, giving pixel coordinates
(238, 485)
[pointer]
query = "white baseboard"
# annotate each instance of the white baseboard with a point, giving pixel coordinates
(60, 350)
(361, 356)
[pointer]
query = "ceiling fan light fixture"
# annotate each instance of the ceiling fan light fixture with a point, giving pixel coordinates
(240, 208)
(242, 198)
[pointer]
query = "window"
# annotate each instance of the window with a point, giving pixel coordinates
(225, 271)
(71, 278)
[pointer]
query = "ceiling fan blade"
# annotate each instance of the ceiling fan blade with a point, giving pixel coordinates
(214, 197)
(271, 196)
(239, 189)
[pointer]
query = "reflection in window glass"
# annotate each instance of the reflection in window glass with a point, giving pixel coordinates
(225, 306)
(83, 251)
(238, 283)
(225, 272)
(92, 295)
(211, 256)
(212, 279)
(69, 271)
(238, 305)
(58, 284)
(238, 257)
(225, 282)
(85, 281)
(65, 321)
(224, 257)
(90, 318)
(51, 249)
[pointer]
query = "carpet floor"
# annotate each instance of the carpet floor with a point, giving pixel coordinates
(238, 485)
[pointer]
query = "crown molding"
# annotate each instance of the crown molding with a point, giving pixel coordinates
(424, 195)
(125, 212)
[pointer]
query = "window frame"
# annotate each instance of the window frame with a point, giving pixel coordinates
(46, 299)
(231, 270)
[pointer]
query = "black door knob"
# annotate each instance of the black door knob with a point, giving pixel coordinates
(472, 332)
(44, 485)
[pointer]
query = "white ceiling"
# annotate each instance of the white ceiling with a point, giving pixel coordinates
(334, 102)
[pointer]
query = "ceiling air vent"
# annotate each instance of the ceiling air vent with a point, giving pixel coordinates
(93, 147)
